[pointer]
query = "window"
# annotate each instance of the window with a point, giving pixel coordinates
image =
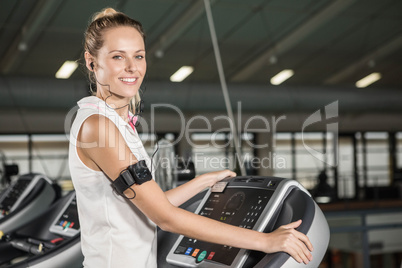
(215, 151)
(50, 156)
(15, 151)
(308, 165)
(283, 151)
(399, 150)
(373, 159)
(346, 178)
(40, 153)
(305, 155)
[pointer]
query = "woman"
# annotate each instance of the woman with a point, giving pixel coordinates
(119, 230)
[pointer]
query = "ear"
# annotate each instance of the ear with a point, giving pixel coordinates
(89, 60)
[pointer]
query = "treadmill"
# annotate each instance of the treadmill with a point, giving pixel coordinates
(50, 240)
(27, 197)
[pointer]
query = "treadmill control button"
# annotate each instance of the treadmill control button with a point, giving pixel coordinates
(202, 256)
(188, 251)
(211, 255)
(195, 252)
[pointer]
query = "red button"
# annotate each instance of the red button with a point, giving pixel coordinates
(211, 255)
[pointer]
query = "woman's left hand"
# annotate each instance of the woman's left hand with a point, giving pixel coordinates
(214, 177)
(184, 192)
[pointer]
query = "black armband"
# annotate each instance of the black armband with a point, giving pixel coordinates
(134, 174)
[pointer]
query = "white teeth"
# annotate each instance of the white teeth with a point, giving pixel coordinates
(130, 80)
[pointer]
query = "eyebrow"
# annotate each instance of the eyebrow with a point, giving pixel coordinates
(122, 51)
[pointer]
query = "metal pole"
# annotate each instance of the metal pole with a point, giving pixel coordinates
(365, 243)
(223, 85)
(30, 156)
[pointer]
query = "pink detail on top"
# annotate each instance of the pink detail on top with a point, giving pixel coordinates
(132, 120)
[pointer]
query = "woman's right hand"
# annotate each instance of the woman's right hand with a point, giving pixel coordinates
(288, 240)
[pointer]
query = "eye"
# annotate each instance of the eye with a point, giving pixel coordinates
(117, 57)
(139, 57)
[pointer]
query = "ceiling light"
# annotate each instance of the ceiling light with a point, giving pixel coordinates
(66, 70)
(281, 77)
(181, 74)
(368, 80)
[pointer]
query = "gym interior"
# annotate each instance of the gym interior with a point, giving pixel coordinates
(302, 96)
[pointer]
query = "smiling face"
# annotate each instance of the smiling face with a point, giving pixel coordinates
(120, 64)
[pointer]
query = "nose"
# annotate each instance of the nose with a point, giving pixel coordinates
(131, 66)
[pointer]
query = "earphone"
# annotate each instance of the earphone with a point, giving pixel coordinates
(140, 108)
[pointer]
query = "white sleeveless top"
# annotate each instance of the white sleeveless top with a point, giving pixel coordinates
(114, 233)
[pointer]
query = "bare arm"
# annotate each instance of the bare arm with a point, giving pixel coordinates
(115, 156)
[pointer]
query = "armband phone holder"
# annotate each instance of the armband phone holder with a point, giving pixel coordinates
(137, 173)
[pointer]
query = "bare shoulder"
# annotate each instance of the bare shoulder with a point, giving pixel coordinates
(103, 146)
(97, 128)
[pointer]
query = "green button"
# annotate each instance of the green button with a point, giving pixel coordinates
(201, 256)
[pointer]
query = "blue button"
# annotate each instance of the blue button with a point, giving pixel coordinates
(188, 251)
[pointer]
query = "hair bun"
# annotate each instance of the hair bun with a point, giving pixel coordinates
(104, 13)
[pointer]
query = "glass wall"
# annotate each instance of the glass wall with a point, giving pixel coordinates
(398, 137)
(47, 154)
(283, 149)
(346, 167)
(306, 154)
(359, 161)
(215, 151)
(377, 159)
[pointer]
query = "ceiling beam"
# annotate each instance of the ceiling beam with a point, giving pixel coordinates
(376, 55)
(35, 93)
(178, 27)
(29, 33)
(292, 39)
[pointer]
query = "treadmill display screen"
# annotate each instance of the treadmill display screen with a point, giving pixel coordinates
(242, 208)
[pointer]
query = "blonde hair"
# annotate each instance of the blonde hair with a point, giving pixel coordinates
(101, 21)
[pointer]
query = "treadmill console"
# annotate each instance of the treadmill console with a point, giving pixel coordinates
(242, 202)
(66, 223)
(257, 203)
(13, 196)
